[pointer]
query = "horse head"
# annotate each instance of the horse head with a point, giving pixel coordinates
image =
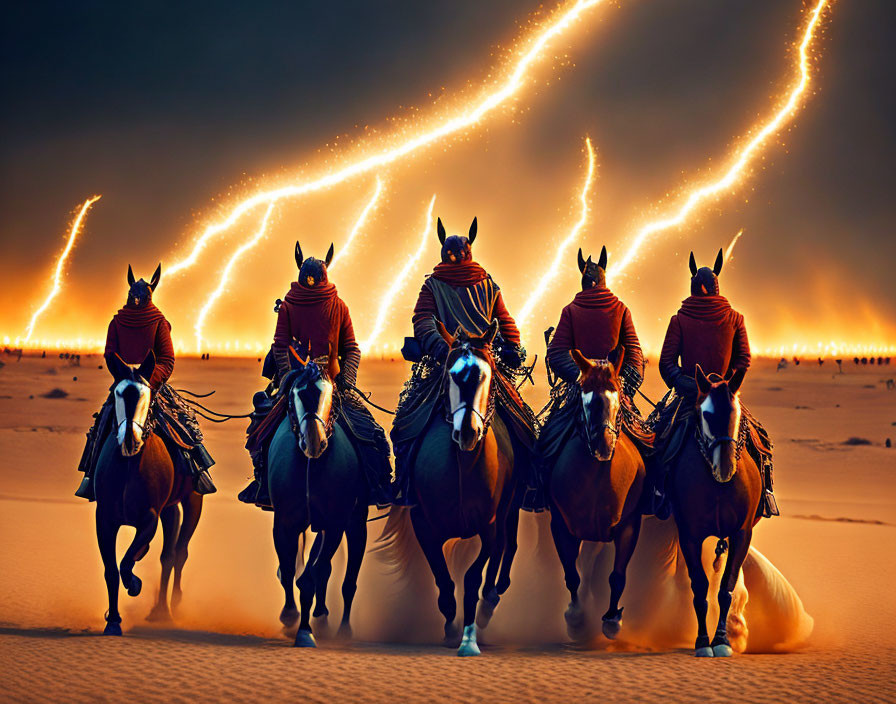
(311, 396)
(719, 412)
(456, 249)
(313, 272)
(599, 381)
(140, 291)
(469, 365)
(132, 399)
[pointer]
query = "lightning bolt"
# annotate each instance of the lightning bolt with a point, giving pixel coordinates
(60, 264)
(730, 249)
(551, 273)
(399, 281)
(466, 119)
(743, 157)
(359, 223)
(225, 275)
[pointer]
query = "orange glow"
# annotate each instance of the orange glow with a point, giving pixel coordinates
(730, 249)
(60, 264)
(551, 274)
(399, 282)
(736, 171)
(359, 223)
(225, 274)
(469, 116)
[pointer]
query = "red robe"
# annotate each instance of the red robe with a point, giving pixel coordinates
(481, 298)
(318, 319)
(134, 331)
(705, 331)
(596, 322)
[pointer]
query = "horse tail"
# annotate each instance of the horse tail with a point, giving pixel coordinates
(397, 546)
(721, 549)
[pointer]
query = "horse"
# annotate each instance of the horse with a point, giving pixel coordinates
(137, 484)
(595, 488)
(316, 480)
(464, 486)
(715, 488)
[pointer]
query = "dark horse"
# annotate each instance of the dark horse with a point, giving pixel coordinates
(595, 487)
(137, 484)
(464, 486)
(316, 480)
(715, 489)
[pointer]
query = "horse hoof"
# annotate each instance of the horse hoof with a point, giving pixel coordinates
(468, 646)
(611, 627)
(112, 629)
(722, 650)
(288, 617)
(485, 612)
(304, 639)
(134, 586)
(705, 652)
(159, 614)
(322, 612)
(345, 632)
(575, 622)
(452, 636)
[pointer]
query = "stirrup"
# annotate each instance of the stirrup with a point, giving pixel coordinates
(85, 489)
(202, 483)
(770, 505)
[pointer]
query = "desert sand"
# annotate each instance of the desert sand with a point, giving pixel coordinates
(834, 544)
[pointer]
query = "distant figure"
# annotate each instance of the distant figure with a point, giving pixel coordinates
(887, 360)
(43, 355)
(782, 364)
(840, 365)
(820, 361)
(856, 360)
(880, 361)
(864, 361)
(796, 361)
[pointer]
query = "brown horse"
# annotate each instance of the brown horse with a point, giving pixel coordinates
(595, 488)
(715, 489)
(464, 486)
(137, 484)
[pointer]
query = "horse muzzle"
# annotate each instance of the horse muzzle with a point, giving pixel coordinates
(313, 438)
(130, 439)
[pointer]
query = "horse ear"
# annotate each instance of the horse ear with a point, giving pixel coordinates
(717, 267)
(581, 261)
(440, 230)
(295, 362)
(602, 262)
(299, 257)
(131, 278)
(473, 229)
(332, 359)
(443, 331)
(155, 277)
(118, 368)
(736, 380)
(147, 366)
(329, 255)
(490, 332)
(582, 362)
(692, 263)
(702, 382)
(616, 358)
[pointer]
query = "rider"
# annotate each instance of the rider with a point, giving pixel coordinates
(459, 292)
(709, 332)
(599, 325)
(136, 329)
(314, 318)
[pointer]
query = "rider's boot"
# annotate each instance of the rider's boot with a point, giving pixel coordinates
(85, 488)
(202, 482)
(656, 502)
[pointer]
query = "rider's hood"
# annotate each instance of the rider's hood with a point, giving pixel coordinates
(466, 273)
(132, 316)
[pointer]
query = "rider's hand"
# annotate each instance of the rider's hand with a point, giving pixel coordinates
(512, 355)
(440, 350)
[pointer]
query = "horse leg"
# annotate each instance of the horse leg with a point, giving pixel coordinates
(692, 549)
(170, 518)
(510, 547)
(738, 547)
(106, 533)
(323, 568)
(568, 550)
(286, 544)
(625, 540)
(146, 529)
(192, 506)
(305, 583)
(490, 597)
(472, 581)
(356, 538)
(432, 550)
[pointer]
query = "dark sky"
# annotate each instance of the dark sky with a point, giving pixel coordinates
(164, 106)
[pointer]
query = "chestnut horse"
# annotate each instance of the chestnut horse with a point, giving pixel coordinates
(464, 486)
(715, 488)
(595, 487)
(316, 480)
(137, 484)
